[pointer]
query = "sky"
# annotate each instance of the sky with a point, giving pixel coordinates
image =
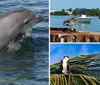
(57, 51)
(65, 4)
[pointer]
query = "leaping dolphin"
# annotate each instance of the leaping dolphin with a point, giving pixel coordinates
(15, 22)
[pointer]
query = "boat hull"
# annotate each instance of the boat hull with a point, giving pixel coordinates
(84, 20)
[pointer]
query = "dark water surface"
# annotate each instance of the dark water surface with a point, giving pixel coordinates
(29, 66)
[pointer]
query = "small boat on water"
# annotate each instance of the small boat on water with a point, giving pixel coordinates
(84, 19)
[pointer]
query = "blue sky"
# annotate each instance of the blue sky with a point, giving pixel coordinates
(65, 4)
(57, 51)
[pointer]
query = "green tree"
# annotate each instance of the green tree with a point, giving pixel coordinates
(62, 12)
(91, 12)
(70, 10)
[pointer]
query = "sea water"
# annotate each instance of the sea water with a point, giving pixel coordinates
(93, 26)
(29, 66)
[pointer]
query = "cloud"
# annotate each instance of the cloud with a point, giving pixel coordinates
(84, 50)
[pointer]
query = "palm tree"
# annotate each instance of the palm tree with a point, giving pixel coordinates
(70, 9)
(85, 70)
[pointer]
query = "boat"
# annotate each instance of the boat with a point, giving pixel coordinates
(84, 19)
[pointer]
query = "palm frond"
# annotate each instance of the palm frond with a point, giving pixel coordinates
(84, 64)
(85, 70)
(72, 79)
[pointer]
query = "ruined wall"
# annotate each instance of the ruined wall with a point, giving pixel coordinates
(70, 35)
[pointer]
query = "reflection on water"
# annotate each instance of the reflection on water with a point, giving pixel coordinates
(82, 26)
(29, 65)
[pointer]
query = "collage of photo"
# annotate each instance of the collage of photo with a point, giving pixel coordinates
(74, 42)
(49, 42)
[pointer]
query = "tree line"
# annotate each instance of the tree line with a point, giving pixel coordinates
(62, 12)
(90, 12)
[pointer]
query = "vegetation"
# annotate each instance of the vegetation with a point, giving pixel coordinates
(91, 12)
(62, 12)
(70, 9)
(85, 70)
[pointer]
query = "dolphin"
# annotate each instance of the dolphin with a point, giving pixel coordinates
(15, 22)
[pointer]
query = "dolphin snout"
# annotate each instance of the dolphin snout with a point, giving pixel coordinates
(39, 16)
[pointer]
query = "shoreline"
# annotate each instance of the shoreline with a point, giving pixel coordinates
(70, 15)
